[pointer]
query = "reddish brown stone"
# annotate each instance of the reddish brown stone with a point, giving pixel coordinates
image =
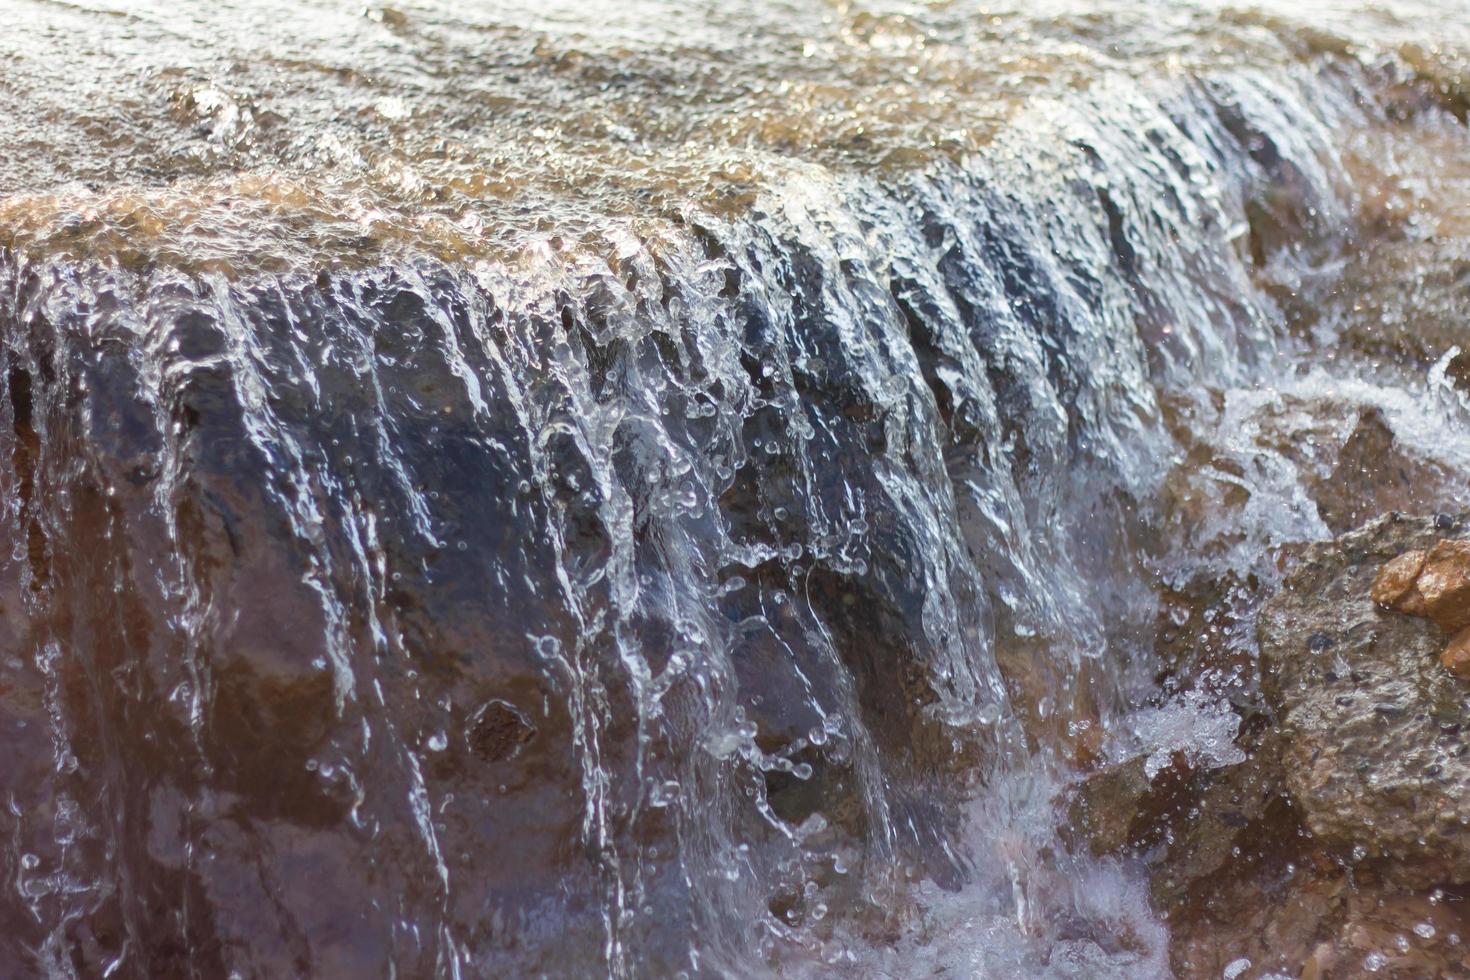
(1394, 587)
(1456, 656)
(1444, 582)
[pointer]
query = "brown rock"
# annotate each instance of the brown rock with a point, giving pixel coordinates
(1376, 473)
(1394, 586)
(1456, 656)
(1108, 803)
(1373, 751)
(1320, 924)
(1444, 582)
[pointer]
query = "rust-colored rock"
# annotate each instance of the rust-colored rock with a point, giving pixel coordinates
(1394, 588)
(1434, 584)
(1444, 584)
(1456, 656)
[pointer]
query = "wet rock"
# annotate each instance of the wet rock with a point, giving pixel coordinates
(1434, 584)
(1106, 805)
(1374, 474)
(1394, 586)
(1327, 459)
(498, 731)
(1412, 320)
(1205, 629)
(1444, 582)
(1228, 809)
(1307, 917)
(1456, 656)
(1370, 720)
(1188, 824)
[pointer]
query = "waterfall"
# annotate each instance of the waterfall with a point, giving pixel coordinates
(701, 589)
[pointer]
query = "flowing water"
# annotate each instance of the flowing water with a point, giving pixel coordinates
(653, 489)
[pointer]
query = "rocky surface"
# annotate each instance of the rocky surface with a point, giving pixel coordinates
(1291, 912)
(1374, 749)
(1341, 846)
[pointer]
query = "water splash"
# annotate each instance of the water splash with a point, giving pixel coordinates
(412, 574)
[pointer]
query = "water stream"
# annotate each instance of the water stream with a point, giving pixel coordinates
(536, 489)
